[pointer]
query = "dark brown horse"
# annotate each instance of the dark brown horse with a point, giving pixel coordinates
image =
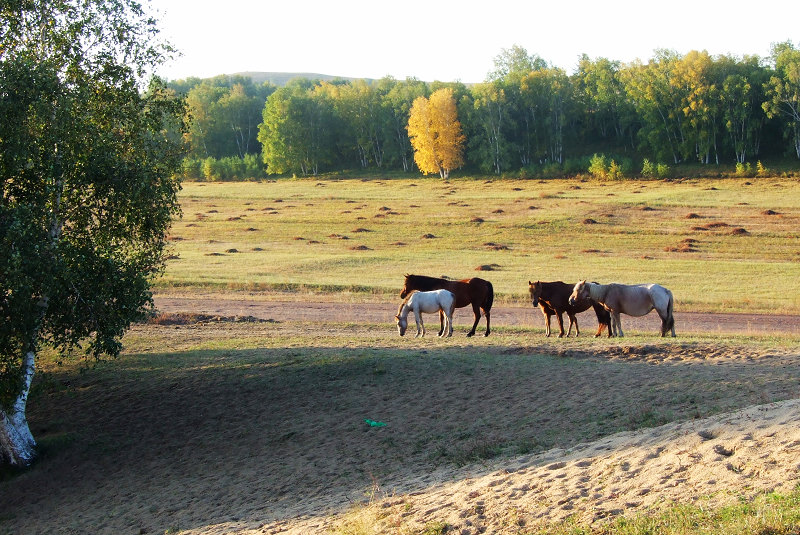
(476, 292)
(553, 298)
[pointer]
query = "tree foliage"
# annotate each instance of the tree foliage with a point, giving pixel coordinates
(87, 157)
(783, 91)
(435, 133)
(526, 117)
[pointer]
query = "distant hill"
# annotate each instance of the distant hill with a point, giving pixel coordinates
(282, 78)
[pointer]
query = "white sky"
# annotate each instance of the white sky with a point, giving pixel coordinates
(450, 40)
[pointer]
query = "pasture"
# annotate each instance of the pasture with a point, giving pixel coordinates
(241, 425)
(720, 245)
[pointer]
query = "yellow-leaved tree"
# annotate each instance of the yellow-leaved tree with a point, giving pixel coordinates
(435, 133)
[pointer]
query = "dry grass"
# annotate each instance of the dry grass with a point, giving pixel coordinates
(295, 235)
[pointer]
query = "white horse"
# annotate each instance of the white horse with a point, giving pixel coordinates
(428, 302)
(633, 300)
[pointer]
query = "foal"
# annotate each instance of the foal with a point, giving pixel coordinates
(428, 302)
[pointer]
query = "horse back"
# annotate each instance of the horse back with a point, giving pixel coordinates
(556, 295)
(631, 299)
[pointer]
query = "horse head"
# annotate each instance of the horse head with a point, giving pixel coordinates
(535, 289)
(579, 292)
(405, 291)
(402, 325)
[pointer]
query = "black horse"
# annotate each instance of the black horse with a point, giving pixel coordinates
(553, 298)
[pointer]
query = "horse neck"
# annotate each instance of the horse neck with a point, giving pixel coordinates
(597, 292)
(424, 284)
(402, 312)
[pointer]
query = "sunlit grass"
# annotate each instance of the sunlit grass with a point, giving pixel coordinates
(773, 514)
(362, 236)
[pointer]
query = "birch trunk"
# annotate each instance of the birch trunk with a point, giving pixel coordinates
(17, 445)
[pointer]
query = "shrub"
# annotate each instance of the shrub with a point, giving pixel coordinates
(192, 169)
(598, 167)
(648, 169)
(762, 171)
(615, 169)
(744, 169)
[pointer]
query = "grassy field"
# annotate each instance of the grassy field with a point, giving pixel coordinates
(719, 244)
(228, 426)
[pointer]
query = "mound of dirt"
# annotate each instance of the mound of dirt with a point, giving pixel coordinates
(188, 318)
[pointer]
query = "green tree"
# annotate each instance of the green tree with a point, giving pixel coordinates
(87, 194)
(490, 121)
(366, 116)
(783, 90)
(240, 111)
(297, 131)
(546, 97)
(206, 130)
(658, 101)
(742, 96)
(605, 105)
(514, 63)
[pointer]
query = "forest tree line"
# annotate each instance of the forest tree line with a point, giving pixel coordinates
(528, 118)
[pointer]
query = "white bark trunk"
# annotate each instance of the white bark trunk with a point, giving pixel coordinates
(17, 445)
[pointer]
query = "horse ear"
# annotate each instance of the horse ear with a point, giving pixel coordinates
(530, 283)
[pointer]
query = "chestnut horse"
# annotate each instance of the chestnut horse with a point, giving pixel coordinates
(476, 292)
(553, 298)
(630, 299)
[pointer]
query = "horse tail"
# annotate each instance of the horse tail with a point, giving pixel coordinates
(487, 303)
(670, 305)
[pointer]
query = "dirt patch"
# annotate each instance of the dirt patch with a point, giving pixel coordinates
(190, 318)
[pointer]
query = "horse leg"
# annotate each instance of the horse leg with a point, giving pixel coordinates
(441, 321)
(573, 319)
(667, 323)
(600, 327)
(560, 324)
(420, 324)
(487, 314)
(617, 324)
(477, 311)
(546, 323)
(449, 317)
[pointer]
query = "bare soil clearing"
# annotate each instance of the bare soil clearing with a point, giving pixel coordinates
(686, 322)
(486, 435)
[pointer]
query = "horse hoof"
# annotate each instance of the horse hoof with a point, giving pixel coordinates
(470, 334)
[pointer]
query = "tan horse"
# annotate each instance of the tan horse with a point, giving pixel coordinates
(633, 300)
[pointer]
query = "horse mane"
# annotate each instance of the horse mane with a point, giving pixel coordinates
(424, 283)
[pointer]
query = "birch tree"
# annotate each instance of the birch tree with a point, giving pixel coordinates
(435, 133)
(783, 91)
(86, 194)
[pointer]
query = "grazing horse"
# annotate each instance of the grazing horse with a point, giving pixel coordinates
(633, 300)
(440, 301)
(476, 292)
(553, 298)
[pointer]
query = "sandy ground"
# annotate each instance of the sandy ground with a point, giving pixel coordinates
(709, 462)
(277, 448)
